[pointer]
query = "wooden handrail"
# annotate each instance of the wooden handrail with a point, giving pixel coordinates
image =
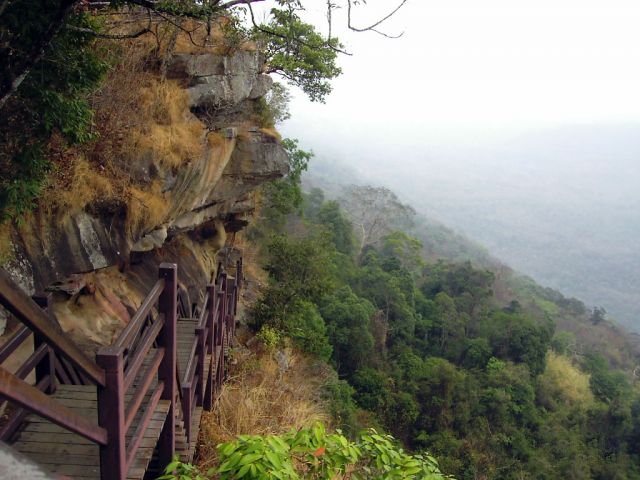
(143, 388)
(138, 435)
(118, 366)
(203, 314)
(191, 363)
(30, 314)
(34, 400)
(16, 418)
(31, 362)
(136, 321)
(19, 336)
(151, 334)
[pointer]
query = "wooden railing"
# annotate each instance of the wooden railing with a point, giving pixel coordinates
(123, 362)
(55, 359)
(31, 315)
(213, 330)
(50, 369)
(132, 375)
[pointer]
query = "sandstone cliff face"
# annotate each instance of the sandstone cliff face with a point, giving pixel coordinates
(98, 267)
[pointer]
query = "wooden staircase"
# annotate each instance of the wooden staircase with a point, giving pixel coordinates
(126, 415)
(64, 453)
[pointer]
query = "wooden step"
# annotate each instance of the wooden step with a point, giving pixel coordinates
(64, 453)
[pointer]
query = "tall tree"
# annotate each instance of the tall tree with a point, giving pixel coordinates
(375, 212)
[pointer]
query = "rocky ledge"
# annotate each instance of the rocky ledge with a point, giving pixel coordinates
(98, 269)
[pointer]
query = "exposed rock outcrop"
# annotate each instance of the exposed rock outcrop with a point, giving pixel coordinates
(221, 86)
(113, 264)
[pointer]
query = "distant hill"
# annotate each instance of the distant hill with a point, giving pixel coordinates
(440, 242)
(560, 205)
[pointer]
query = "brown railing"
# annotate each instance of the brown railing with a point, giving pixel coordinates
(123, 364)
(31, 315)
(214, 328)
(132, 376)
(55, 359)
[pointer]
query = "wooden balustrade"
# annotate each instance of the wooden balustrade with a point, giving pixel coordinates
(30, 314)
(31, 398)
(123, 362)
(43, 361)
(142, 360)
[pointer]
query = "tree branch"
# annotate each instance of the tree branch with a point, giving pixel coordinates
(110, 36)
(373, 27)
(268, 31)
(233, 3)
(14, 79)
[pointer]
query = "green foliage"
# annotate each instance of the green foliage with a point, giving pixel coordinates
(269, 337)
(52, 99)
(430, 354)
(307, 329)
(405, 250)
(314, 453)
(177, 470)
(608, 385)
(274, 107)
(299, 53)
(519, 338)
(348, 324)
(563, 342)
(300, 273)
(342, 407)
(282, 197)
(340, 228)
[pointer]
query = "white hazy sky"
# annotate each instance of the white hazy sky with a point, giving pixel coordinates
(482, 66)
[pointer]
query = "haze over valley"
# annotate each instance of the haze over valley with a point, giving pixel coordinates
(560, 205)
(527, 143)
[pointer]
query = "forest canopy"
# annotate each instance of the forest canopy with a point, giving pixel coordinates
(425, 348)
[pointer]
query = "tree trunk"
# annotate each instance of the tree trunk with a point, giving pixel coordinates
(13, 79)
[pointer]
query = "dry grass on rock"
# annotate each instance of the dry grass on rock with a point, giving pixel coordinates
(172, 135)
(261, 398)
(146, 208)
(85, 186)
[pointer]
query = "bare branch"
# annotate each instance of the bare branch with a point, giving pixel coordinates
(373, 27)
(233, 3)
(330, 7)
(268, 31)
(108, 35)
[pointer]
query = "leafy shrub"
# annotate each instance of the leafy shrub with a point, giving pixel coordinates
(308, 331)
(273, 108)
(269, 337)
(177, 470)
(342, 407)
(313, 453)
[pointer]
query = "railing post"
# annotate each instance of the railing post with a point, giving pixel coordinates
(239, 278)
(186, 410)
(230, 323)
(47, 366)
(113, 457)
(211, 348)
(201, 353)
(221, 327)
(211, 313)
(168, 306)
(224, 311)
